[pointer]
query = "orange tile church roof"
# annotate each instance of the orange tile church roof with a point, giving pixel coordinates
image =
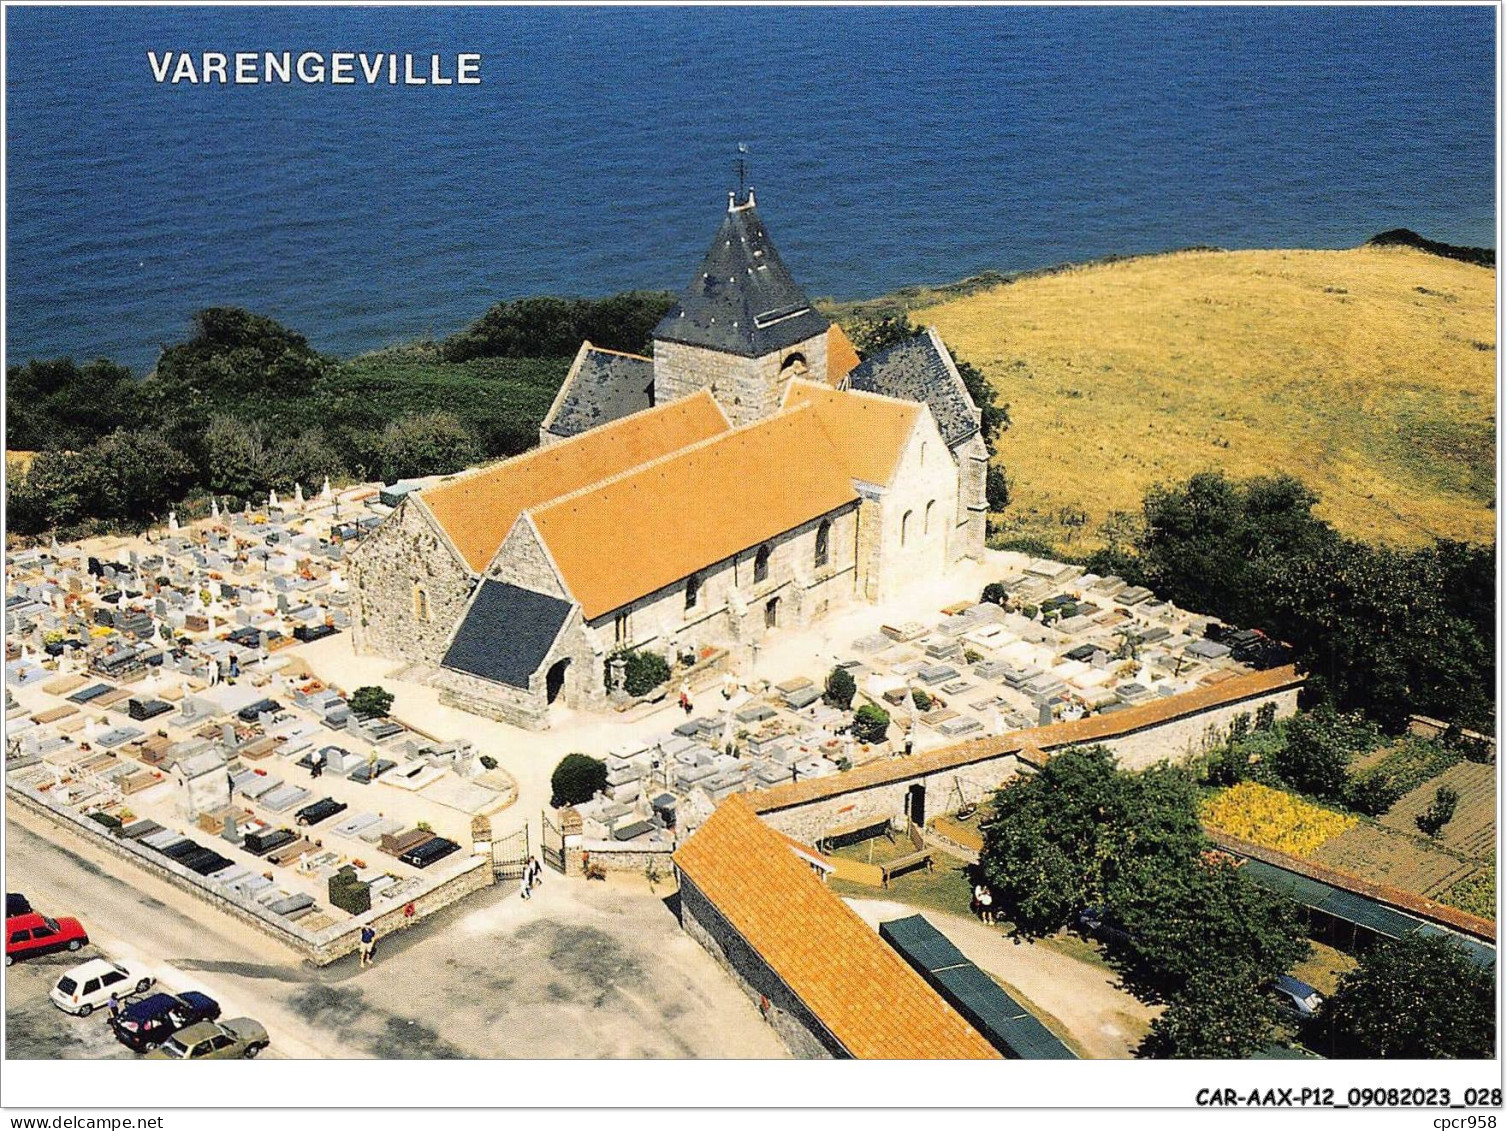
(478, 509)
(842, 358)
(869, 431)
(653, 525)
(846, 975)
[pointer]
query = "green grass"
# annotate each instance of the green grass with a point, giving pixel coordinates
(945, 888)
(1476, 895)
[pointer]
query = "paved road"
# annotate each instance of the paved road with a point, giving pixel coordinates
(580, 970)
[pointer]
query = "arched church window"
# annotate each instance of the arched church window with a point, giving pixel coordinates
(761, 565)
(692, 591)
(823, 542)
(905, 527)
(926, 522)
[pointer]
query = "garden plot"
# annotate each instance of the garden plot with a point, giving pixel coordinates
(1381, 855)
(1473, 829)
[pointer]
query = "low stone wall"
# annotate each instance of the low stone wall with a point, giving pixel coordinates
(616, 859)
(795, 1025)
(319, 948)
(934, 779)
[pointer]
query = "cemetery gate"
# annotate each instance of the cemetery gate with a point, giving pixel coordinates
(510, 854)
(552, 842)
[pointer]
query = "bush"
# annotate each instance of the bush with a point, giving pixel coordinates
(577, 779)
(1318, 750)
(840, 689)
(922, 699)
(871, 724)
(997, 488)
(994, 594)
(644, 671)
(1440, 811)
(1371, 794)
(371, 702)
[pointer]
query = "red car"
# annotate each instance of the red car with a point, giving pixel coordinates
(29, 935)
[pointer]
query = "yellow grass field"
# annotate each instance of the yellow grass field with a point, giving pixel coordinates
(1367, 373)
(1273, 819)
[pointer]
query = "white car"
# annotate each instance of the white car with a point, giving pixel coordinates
(88, 987)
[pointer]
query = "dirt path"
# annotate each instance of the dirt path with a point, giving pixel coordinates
(1084, 1000)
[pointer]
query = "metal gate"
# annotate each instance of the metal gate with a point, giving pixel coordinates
(509, 855)
(552, 843)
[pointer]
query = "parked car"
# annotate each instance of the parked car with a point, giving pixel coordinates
(145, 1024)
(16, 904)
(88, 986)
(31, 935)
(214, 1040)
(1092, 922)
(1297, 999)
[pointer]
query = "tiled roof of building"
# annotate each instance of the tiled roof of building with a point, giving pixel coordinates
(655, 524)
(870, 432)
(506, 633)
(842, 358)
(864, 993)
(602, 386)
(921, 369)
(478, 509)
(743, 299)
(1031, 743)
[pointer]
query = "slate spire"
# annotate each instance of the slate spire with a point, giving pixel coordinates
(743, 299)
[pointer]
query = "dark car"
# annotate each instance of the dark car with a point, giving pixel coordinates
(145, 1024)
(16, 904)
(432, 850)
(1093, 922)
(1297, 999)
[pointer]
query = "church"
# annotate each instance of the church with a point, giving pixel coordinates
(751, 475)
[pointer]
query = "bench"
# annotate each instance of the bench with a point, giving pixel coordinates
(859, 830)
(908, 863)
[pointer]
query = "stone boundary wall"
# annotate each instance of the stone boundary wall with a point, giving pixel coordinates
(805, 810)
(805, 1036)
(615, 859)
(318, 949)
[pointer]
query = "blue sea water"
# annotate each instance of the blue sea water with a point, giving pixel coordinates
(888, 146)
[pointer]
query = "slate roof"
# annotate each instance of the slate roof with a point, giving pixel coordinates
(861, 991)
(921, 369)
(692, 508)
(602, 386)
(478, 509)
(506, 633)
(743, 300)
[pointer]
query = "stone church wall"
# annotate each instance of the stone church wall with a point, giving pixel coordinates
(730, 605)
(404, 556)
(973, 500)
(927, 477)
(748, 389)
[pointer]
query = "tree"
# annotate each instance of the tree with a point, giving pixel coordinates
(1076, 834)
(1182, 921)
(1440, 811)
(840, 689)
(871, 724)
(996, 488)
(1416, 998)
(426, 443)
(995, 594)
(63, 406)
(1214, 1017)
(371, 702)
(556, 327)
(642, 671)
(235, 356)
(1319, 744)
(577, 779)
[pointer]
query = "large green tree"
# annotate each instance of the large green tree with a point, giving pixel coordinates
(64, 406)
(1215, 1017)
(1418, 998)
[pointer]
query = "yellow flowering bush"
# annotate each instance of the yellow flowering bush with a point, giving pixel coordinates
(1273, 819)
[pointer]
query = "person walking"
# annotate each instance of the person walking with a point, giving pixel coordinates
(525, 886)
(685, 698)
(114, 1006)
(368, 945)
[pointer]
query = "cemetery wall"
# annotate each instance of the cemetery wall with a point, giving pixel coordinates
(321, 948)
(795, 1025)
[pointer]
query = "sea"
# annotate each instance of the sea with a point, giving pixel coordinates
(888, 146)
